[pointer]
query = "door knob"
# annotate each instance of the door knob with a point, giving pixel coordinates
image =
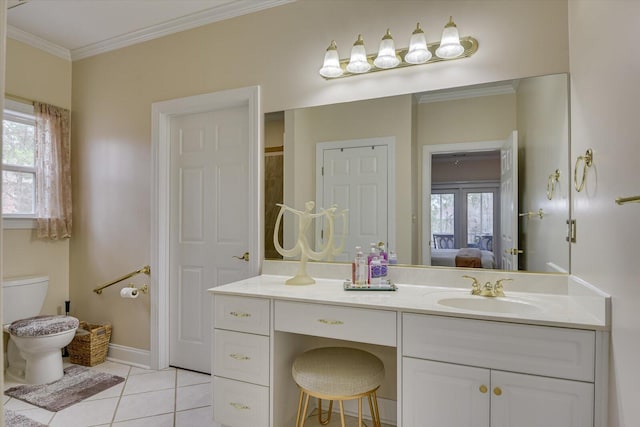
(513, 251)
(245, 256)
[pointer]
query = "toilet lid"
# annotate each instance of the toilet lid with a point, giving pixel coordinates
(42, 325)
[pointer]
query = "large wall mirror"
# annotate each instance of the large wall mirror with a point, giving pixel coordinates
(480, 169)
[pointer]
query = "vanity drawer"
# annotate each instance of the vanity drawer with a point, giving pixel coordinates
(331, 321)
(539, 350)
(240, 404)
(241, 356)
(242, 314)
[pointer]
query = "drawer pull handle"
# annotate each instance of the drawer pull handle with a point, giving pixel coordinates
(483, 388)
(497, 391)
(239, 356)
(239, 406)
(331, 322)
(239, 314)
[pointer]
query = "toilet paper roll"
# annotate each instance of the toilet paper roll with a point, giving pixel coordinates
(129, 293)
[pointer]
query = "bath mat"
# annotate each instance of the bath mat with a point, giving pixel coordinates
(77, 384)
(13, 419)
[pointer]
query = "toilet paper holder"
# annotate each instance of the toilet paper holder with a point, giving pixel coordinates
(144, 288)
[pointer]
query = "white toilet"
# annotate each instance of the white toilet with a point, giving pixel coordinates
(34, 353)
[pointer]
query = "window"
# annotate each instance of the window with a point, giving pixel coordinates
(18, 161)
(467, 211)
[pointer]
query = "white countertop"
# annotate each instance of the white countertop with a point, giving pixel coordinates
(581, 311)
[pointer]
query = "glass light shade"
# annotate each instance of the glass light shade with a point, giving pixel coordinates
(450, 46)
(418, 51)
(358, 63)
(387, 53)
(331, 66)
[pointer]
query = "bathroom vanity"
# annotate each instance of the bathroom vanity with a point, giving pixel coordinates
(529, 359)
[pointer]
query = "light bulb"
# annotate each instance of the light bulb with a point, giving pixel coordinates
(358, 63)
(418, 51)
(450, 46)
(331, 66)
(387, 53)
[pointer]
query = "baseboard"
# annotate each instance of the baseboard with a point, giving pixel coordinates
(130, 356)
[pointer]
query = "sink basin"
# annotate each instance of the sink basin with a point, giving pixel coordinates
(494, 305)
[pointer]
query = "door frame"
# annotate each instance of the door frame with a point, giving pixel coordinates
(427, 153)
(161, 113)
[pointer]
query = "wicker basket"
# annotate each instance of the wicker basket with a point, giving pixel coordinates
(90, 349)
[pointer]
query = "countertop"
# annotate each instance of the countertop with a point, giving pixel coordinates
(582, 311)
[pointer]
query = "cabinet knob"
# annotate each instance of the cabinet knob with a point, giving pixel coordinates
(497, 391)
(483, 388)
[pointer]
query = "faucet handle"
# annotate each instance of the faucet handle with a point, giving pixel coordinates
(498, 287)
(475, 286)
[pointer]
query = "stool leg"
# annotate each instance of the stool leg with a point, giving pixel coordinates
(359, 412)
(373, 416)
(342, 413)
(375, 407)
(304, 411)
(328, 420)
(299, 408)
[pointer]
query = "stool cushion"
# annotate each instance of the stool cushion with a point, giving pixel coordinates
(338, 371)
(42, 325)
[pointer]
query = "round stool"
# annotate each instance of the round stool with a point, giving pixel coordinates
(337, 373)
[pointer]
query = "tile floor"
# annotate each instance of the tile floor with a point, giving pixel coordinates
(167, 398)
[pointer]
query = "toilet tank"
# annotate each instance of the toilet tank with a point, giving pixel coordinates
(23, 297)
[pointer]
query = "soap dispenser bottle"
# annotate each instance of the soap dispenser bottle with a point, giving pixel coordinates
(375, 267)
(359, 277)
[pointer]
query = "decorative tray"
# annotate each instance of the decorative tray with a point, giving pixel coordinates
(385, 286)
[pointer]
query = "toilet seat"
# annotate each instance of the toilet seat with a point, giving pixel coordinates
(39, 326)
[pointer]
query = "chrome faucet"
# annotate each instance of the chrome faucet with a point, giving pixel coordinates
(489, 289)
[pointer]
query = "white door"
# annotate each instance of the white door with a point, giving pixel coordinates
(444, 394)
(357, 179)
(509, 203)
(209, 198)
(531, 401)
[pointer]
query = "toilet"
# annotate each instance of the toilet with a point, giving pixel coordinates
(34, 350)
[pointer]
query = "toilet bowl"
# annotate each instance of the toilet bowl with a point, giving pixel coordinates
(34, 353)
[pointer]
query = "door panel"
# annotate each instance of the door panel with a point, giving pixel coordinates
(209, 224)
(357, 179)
(509, 202)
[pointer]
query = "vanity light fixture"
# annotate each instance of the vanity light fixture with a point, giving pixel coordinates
(451, 46)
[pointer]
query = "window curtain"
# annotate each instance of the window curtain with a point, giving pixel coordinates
(53, 172)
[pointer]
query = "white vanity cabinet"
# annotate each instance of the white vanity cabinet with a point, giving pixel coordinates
(241, 361)
(492, 374)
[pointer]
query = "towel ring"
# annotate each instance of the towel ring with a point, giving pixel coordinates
(587, 159)
(553, 179)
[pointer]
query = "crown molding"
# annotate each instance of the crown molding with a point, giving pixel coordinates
(226, 11)
(38, 43)
(451, 95)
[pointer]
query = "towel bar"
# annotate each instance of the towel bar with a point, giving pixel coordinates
(146, 270)
(624, 200)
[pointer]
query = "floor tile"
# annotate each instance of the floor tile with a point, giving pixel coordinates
(86, 413)
(145, 404)
(165, 420)
(38, 414)
(193, 396)
(156, 380)
(191, 378)
(201, 417)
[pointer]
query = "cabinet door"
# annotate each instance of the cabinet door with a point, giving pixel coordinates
(531, 401)
(444, 394)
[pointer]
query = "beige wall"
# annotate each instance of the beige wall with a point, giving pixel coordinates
(543, 133)
(34, 74)
(604, 117)
(113, 93)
